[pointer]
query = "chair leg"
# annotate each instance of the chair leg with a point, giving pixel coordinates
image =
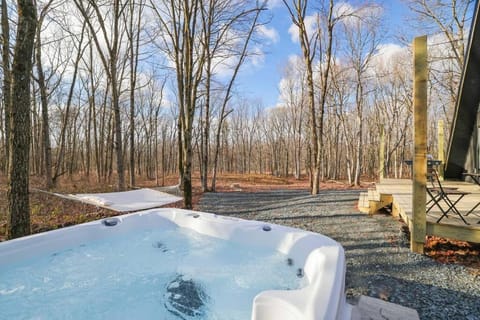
(451, 207)
(444, 212)
(471, 210)
(432, 202)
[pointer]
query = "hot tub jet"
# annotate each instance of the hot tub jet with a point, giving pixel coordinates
(110, 222)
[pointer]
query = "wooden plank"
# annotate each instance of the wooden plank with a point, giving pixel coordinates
(363, 203)
(419, 227)
(458, 232)
(451, 227)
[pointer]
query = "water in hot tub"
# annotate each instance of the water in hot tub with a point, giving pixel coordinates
(155, 274)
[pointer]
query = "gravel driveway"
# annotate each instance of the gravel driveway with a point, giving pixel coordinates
(379, 263)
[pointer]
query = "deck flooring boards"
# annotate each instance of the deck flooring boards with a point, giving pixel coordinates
(451, 226)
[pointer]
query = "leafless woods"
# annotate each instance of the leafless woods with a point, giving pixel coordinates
(148, 88)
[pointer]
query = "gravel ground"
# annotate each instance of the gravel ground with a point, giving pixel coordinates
(379, 263)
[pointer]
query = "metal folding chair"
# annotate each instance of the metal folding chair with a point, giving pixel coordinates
(446, 199)
(435, 191)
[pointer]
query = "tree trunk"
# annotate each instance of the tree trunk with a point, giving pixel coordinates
(134, 36)
(118, 130)
(88, 139)
(42, 86)
(132, 124)
(18, 216)
(61, 152)
(6, 78)
(205, 137)
(359, 145)
(114, 81)
(181, 169)
(187, 174)
(109, 59)
(298, 15)
(227, 97)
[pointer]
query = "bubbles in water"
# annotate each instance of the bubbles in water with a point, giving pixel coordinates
(159, 245)
(145, 274)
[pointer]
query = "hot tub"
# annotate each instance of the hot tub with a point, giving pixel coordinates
(298, 274)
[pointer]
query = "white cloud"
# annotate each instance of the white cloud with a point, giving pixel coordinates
(388, 53)
(310, 26)
(223, 68)
(351, 15)
(293, 31)
(295, 59)
(441, 54)
(258, 58)
(274, 4)
(270, 34)
(389, 61)
(291, 84)
(342, 9)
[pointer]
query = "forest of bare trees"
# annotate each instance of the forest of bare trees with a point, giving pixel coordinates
(148, 88)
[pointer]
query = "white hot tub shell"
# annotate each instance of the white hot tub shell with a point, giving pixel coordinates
(323, 259)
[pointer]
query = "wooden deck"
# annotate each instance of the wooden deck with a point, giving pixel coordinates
(400, 191)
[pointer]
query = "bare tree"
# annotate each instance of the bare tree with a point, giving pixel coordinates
(392, 109)
(111, 36)
(241, 56)
(47, 150)
(308, 43)
(321, 39)
(200, 47)
(447, 17)
(447, 21)
(179, 38)
(18, 217)
(6, 77)
(61, 150)
(133, 33)
(292, 93)
(361, 34)
(227, 32)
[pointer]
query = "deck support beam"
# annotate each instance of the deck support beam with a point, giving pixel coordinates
(419, 226)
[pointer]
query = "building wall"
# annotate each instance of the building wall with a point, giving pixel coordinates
(472, 161)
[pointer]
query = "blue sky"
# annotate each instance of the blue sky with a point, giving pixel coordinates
(261, 81)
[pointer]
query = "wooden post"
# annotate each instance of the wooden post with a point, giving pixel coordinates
(381, 158)
(441, 146)
(419, 226)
